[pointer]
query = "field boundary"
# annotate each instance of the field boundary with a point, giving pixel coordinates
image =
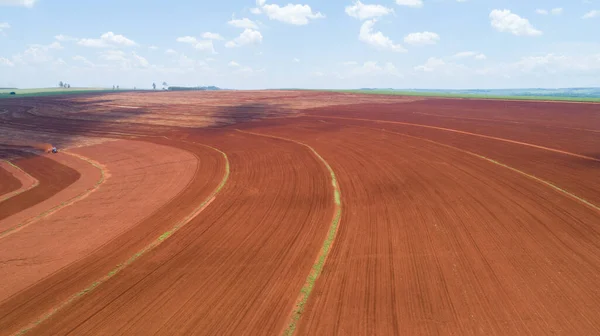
(163, 237)
(103, 177)
(530, 176)
(317, 267)
(463, 132)
(21, 190)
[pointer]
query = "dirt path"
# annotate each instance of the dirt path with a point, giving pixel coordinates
(26, 181)
(8, 182)
(243, 260)
(145, 196)
(52, 176)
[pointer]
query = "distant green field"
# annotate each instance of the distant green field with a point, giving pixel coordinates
(474, 96)
(5, 93)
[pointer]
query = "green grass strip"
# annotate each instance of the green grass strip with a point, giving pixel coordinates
(13, 194)
(140, 253)
(320, 262)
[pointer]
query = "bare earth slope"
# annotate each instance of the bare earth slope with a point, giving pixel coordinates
(8, 183)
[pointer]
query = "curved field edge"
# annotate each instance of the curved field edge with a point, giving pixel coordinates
(103, 177)
(21, 190)
(324, 252)
(485, 158)
(140, 253)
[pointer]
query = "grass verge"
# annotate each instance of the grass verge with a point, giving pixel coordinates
(140, 253)
(322, 257)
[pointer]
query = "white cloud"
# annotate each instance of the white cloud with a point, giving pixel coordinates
(377, 39)
(290, 13)
(317, 74)
(432, 64)
(212, 36)
(244, 23)
(592, 14)
(124, 60)
(553, 11)
(295, 60)
(410, 3)
(64, 38)
(139, 61)
(22, 3)
(6, 62)
(470, 54)
(3, 26)
(107, 40)
(371, 68)
(255, 11)
(507, 22)
(37, 53)
(422, 38)
(170, 51)
(364, 12)
(247, 37)
(348, 63)
(113, 55)
(83, 60)
(203, 45)
(153, 47)
(234, 64)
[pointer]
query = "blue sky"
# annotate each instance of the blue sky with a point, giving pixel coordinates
(250, 44)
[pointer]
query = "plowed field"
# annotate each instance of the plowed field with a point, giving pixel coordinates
(458, 217)
(9, 182)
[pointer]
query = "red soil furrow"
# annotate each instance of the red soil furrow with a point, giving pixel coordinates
(52, 176)
(89, 176)
(152, 187)
(8, 183)
(25, 180)
(434, 241)
(235, 269)
(562, 139)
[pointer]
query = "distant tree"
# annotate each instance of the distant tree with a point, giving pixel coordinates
(165, 84)
(61, 84)
(113, 87)
(154, 86)
(68, 86)
(117, 87)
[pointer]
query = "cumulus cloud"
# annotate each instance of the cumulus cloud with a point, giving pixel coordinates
(21, 3)
(556, 11)
(294, 14)
(541, 11)
(124, 60)
(153, 47)
(107, 40)
(234, 64)
(592, 14)
(3, 26)
(65, 38)
(423, 38)
(377, 39)
(37, 53)
(372, 68)
(507, 22)
(247, 37)
(202, 45)
(363, 12)
(244, 23)
(212, 36)
(553, 11)
(410, 3)
(6, 62)
(170, 51)
(295, 60)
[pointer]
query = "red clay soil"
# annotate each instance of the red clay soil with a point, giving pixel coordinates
(8, 183)
(434, 241)
(235, 269)
(152, 187)
(52, 176)
(89, 176)
(25, 180)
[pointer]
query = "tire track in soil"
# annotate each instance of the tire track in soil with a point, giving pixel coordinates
(327, 243)
(52, 176)
(27, 181)
(236, 269)
(441, 242)
(103, 177)
(8, 183)
(27, 309)
(463, 132)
